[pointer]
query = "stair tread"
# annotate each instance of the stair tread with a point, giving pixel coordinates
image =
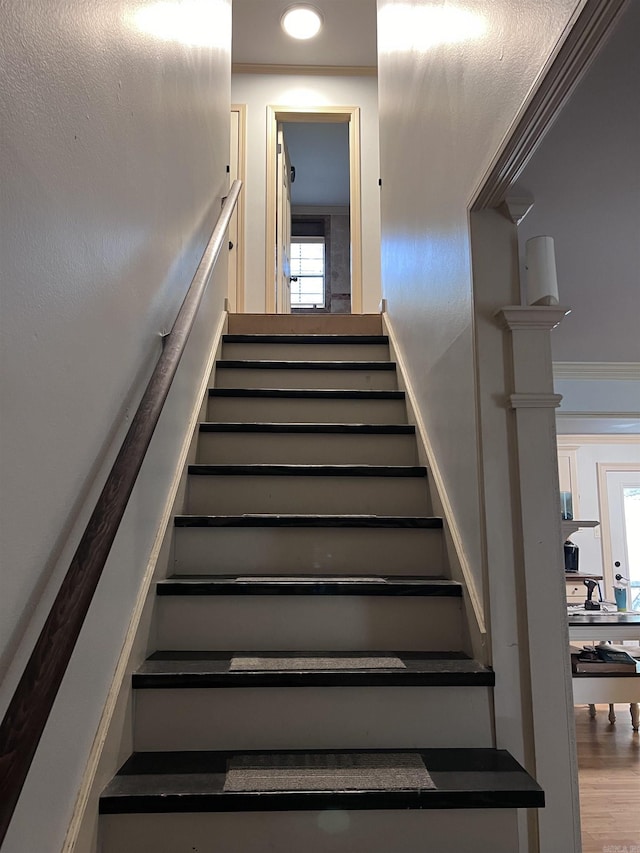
(194, 781)
(305, 339)
(298, 470)
(308, 585)
(184, 669)
(315, 520)
(280, 364)
(276, 427)
(308, 393)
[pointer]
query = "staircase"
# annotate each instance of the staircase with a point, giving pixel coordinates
(312, 689)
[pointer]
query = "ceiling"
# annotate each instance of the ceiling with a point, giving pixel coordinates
(348, 36)
(320, 153)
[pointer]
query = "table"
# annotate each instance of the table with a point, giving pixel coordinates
(608, 687)
(596, 625)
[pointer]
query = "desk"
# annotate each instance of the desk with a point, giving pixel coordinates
(608, 688)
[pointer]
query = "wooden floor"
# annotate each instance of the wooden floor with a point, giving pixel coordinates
(609, 766)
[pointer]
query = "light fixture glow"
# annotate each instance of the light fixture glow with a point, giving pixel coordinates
(197, 23)
(405, 26)
(301, 22)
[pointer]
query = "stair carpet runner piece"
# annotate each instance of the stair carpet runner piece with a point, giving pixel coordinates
(311, 652)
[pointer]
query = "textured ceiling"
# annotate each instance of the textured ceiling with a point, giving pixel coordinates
(348, 36)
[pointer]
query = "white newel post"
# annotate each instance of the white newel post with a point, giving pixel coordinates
(533, 403)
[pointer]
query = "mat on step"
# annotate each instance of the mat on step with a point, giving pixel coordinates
(327, 772)
(307, 662)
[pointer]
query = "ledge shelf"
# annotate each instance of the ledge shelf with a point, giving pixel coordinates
(570, 527)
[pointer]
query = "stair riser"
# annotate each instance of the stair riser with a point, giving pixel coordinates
(308, 622)
(287, 410)
(305, 324)
(311, 449)
(352, 380)
(426, 831)
(264, 550)
(307, 352)
(312, 718)
(222, 495)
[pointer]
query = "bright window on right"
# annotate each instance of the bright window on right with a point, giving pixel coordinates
(307, 266)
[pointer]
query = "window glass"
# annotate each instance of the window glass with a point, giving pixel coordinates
(307, 266)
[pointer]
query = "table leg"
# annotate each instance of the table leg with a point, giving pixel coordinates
(612, 714)
(634, 709)
(592, 711)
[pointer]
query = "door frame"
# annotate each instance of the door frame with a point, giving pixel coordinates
(241, 109)
(603, 469)
(319, 114)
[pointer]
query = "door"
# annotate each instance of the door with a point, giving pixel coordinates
(236, 226)
(623, 516)
(283, 227)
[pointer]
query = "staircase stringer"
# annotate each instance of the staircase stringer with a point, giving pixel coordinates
(113, 739)
(459, 567)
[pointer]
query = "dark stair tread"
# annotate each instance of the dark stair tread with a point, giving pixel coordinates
(275, 427)
(308, 585)
(307, 393)
(305, 339)
(289, 520)
(154, 782)
(297, 470)
(280, 364)
(185, 669)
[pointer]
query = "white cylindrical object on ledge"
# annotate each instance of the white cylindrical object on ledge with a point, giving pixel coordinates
(540, 263)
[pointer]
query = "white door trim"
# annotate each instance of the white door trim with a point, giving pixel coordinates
(241, 109)
(588, 29)
(350, 115)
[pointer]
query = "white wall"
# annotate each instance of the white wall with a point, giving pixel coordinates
(588, 454)
(585, 179)
(259, 91)
(445, 105)
(114, 162)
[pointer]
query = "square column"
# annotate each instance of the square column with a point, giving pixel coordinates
(532, 401)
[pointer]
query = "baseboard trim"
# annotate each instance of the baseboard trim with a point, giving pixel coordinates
(86, 792)
(435, 475)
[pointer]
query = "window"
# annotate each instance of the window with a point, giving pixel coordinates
(307, 266)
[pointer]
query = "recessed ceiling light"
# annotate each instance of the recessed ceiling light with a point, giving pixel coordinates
(301, 22)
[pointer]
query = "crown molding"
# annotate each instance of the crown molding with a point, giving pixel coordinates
(610, 415)
(596, 370)
(573, 442)
(305, 70)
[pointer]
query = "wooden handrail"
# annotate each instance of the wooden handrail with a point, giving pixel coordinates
(35, 694)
